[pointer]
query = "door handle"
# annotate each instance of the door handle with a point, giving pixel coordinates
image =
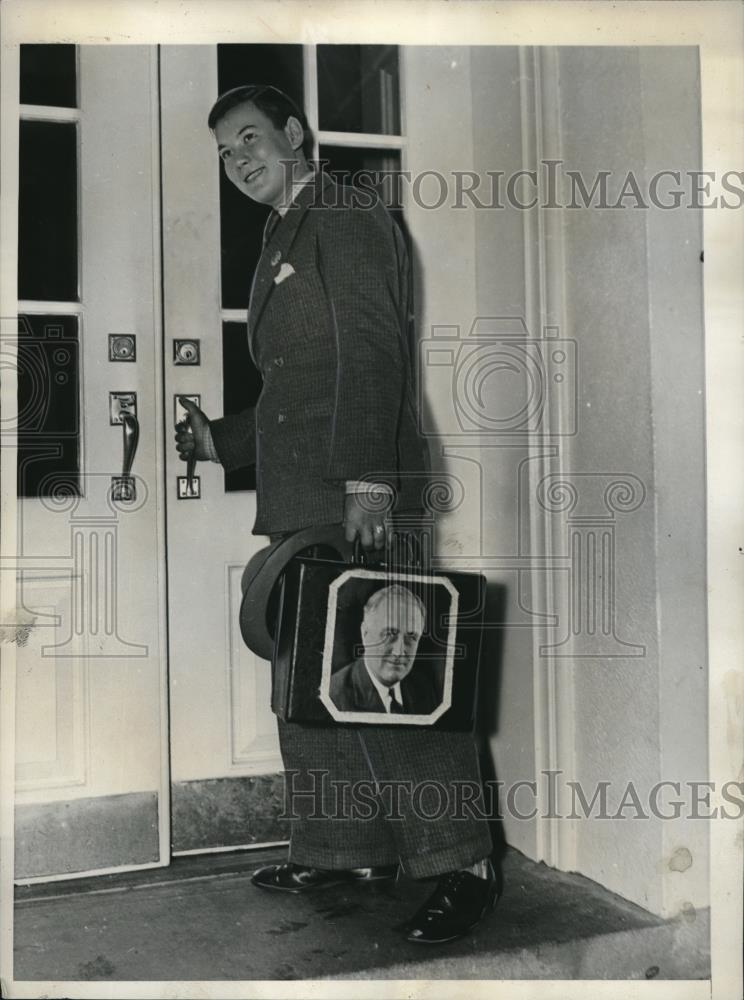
(188, 487)
(131, 440)
(123, 487)
(190, 470)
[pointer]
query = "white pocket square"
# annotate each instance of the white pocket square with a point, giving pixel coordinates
(284, 272)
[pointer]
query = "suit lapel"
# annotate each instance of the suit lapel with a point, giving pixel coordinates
(408, 693)
(364, 690)
(418, 694)
(276, 251)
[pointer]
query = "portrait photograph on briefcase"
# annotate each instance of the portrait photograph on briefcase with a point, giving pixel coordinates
(356, 645)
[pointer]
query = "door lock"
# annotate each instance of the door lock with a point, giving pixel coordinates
(122, 347)
(186, 352)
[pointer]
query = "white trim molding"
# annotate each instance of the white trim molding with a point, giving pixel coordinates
(310, 91)
(360, 140)
(38, 308)
(45, 113)
(544, 295)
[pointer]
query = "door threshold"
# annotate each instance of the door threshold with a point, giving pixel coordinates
(229, 850)
(191, 868)
(56, 879)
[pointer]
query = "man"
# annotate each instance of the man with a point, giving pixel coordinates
(334, 439)
(383, 679)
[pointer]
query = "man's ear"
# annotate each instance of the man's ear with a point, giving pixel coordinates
(294, 132)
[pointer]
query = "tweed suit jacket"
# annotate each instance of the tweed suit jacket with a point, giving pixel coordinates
(328, 330)
(352, 690)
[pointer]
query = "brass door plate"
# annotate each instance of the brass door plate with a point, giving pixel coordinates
(123, 489)
(121, 403)
(179, 414)
(183, 491)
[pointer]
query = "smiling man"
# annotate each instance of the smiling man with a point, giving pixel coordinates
(384, 679)
(327, 328)
(260, 159)
(334, 439)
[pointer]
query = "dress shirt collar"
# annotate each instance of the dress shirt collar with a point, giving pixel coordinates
(384, 691)
(297, 186)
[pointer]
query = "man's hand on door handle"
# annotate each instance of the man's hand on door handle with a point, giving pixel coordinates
(192, 438)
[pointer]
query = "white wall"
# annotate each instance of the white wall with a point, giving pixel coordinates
(629, 293)
(463, 114)
(501, 292)
(633, 295)
(670, 89)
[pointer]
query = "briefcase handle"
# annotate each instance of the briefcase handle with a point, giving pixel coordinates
(408, 551)
(262, 575)
(405, 550)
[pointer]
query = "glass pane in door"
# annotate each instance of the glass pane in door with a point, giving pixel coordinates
(49, 75)
(278, 65)
(48, 212)
(241, 387)
(367, 168)
(358, 88)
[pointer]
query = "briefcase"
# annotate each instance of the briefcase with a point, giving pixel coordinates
(388, 645)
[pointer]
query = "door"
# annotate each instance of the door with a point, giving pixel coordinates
(89, 623)
(225, 762)
(227, 788)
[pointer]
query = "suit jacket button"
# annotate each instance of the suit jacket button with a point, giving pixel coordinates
(281, 418)
(279, 362)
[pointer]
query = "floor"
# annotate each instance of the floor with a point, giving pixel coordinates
(201, 919)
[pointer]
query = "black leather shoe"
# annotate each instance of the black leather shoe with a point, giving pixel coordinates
(289, 877)
(458, 903)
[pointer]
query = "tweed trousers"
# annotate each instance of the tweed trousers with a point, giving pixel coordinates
(370, 795)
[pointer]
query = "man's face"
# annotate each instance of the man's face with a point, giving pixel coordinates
(390, 635)
(253, 150)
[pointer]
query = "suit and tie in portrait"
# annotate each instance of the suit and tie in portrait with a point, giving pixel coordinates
(353, 690)
(328, 326)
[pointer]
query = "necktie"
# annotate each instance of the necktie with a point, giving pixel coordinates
(271, 223)
(395, 706)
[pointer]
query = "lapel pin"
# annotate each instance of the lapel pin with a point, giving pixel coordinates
(277, 256)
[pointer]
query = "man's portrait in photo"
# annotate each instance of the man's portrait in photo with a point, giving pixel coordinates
(389, 654)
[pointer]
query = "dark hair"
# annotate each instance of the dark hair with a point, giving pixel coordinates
(274, 103)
